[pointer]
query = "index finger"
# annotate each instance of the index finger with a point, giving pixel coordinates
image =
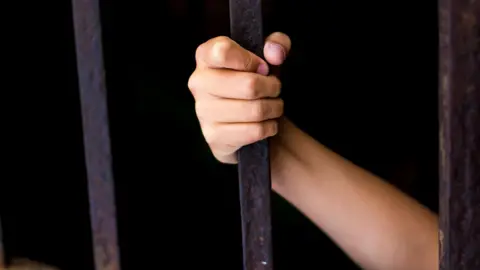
(223, 52)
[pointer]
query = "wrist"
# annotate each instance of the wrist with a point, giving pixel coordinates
(283, 154)
(296, 159)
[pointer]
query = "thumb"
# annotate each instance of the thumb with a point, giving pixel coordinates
(277, 47)
(223, 52)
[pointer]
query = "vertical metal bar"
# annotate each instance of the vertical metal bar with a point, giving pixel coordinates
(2, 251)
(93, 95)
(254, 160)
(459, 89)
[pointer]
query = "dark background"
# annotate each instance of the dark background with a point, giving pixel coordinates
(361, 78)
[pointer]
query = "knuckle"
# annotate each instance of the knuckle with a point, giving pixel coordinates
(277, 86)
(192, 81)
(210, 135)
(220, 49)
(250, 89)
(257, 132)
(274, 128)
(281, 106)
(222, 39)
(200, 52)
(260, 111)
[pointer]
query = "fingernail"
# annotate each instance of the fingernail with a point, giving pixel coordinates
(263, 69)
(276, 49)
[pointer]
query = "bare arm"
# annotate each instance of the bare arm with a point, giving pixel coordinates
(237, 103)
(378, 226)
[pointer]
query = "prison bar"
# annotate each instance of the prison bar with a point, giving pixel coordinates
(2, 251)
(253, 160)
(459, 148)
(459, 110)
(93, 96)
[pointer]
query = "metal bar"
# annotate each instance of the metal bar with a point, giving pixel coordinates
(2, 251)
(459, 89)
(254, 160)
(93, 95)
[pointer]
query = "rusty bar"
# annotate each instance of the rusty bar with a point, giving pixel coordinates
(459, 91)
(2, 250)
(254, 160)
(93, 95)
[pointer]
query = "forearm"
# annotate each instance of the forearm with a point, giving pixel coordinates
(374, 223)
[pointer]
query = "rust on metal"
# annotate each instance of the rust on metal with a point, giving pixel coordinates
(2, 251)
(459, 109)
(93, 96)
(254, 160)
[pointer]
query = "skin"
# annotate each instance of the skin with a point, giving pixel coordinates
(237, 103)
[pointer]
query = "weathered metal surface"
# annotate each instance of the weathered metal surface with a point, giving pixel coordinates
(2, 251)
(93, 94)
(254, 160)
(459, 134)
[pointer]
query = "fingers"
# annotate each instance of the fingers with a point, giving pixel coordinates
(226, 139)
(239, 134)
(222, 52)
(239, 111)
(277, 47)
(236, 101)
(227, 125)
(233, 85)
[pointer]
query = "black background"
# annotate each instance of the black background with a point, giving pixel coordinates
(361, 78)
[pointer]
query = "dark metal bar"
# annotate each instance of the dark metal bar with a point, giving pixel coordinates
(459, 89)
(93, 95)
(2, 251)
(254, 160)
